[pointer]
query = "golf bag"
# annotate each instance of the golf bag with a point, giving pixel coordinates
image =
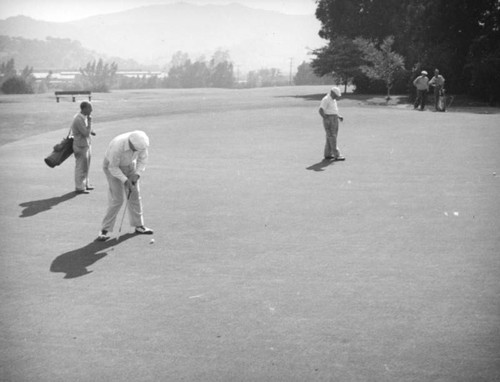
(61, 152)
(441, 105)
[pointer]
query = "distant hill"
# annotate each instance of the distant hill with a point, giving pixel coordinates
(53, 54)
(152, 34)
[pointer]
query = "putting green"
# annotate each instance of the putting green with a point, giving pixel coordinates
(268, 264)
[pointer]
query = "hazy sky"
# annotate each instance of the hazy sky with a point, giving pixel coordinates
(67, 10)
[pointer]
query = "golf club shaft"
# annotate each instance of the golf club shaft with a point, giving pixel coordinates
(124, 211)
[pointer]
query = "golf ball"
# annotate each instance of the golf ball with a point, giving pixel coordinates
(152, 241)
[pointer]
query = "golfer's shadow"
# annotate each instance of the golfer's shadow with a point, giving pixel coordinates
(36, 206)
(320, 166)
(74, 263)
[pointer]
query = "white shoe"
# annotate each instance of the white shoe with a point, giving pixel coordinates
(143, 230)
(103, 236)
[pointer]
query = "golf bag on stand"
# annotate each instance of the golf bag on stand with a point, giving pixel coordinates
(441, 104)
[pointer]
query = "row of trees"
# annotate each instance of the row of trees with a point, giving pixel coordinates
(99, 76)
(96, 76)
(461, 38)
(184, 73)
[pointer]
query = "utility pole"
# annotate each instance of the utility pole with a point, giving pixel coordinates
(290, 79)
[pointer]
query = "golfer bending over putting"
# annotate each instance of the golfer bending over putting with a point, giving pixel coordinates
(124, 162)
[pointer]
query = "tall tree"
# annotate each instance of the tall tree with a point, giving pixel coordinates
(100, 76)
(8, 69)
(179, 59)
(341, 58)
(359, 18)
(221, 70)
(197, 75)
(306, 76)
(382, 62)
(221, 75)
(429, 33)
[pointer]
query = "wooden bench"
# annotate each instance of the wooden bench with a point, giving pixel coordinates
(73, 93)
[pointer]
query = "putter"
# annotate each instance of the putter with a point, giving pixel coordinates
(124, 211)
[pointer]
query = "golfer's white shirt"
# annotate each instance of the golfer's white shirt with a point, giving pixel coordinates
(120, 156)
(329, 105)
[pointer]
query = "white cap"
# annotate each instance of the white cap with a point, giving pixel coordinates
(337, 91)
(139, 139)
(423, 72)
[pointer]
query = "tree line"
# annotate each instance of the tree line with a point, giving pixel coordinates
(182, 72)
(12, 82)
(386, 43)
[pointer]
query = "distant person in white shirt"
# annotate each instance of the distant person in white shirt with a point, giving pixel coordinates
(330, 113)
(124, 162)
(422, 85)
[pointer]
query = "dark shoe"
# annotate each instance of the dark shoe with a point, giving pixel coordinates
(143, 230)
(340, 158)
(103, 236)
(90, 187)
(81, 192)
(329, 158)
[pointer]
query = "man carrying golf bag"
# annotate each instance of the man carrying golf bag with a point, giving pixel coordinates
(439, 95)
(124, 162)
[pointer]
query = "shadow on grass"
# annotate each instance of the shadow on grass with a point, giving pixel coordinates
(369, 99)
(456, 103)
(320, 166)
(36, 206)
(74, 263)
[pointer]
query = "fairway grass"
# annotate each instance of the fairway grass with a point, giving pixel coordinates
(268, 263)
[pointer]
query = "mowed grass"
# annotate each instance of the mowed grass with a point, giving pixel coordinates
(268, 264)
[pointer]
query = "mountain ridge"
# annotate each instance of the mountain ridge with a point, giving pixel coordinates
(152, 34)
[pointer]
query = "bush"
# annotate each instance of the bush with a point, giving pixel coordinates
(17, 85)
(365, 85)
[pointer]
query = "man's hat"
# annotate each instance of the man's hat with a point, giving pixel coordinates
(337, 91)
(423, 72)
(139, 139)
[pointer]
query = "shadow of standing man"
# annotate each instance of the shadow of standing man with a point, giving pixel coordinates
(36, 206)
(74, 263)
(320, 166)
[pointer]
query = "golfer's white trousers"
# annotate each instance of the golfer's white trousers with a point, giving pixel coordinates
(116, 197)
(82, 166)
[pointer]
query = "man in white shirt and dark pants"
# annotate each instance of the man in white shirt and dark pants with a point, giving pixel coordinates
(124, 162)
(422, 85)
(330, 113)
